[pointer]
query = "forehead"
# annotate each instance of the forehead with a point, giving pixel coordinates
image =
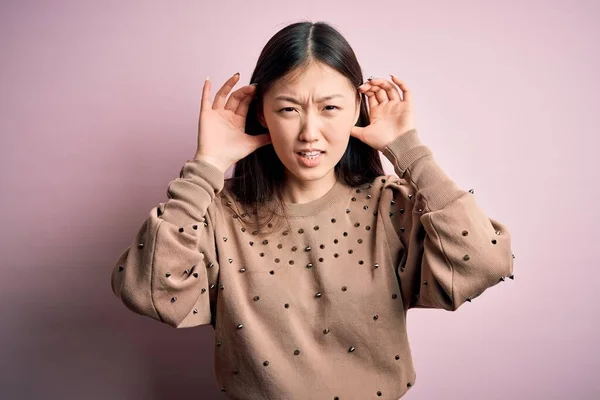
(316, 79)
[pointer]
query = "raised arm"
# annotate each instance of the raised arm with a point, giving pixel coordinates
(169, 268)
(450, 251)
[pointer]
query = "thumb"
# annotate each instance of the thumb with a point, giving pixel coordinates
(261, 140)
(357, 132)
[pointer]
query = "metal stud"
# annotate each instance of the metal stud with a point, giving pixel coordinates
(471, 191)
(277, 260)
(261, 254)
(205, 223)
(279, 246)
(221, 287)
(291, 262)
(335, 241)
(350, 251)
(256, 298)
(502, 279)
(316, 228)
(322, 246)
(393, 202)
(270, 225)
(466, 257)
(402, 211)
(465, 233)
(195, 227)
(195, 311)
(224, 239)
(141, 245)
(512, 277)
(168, 274)
(375, 317)
(357, 190)
(369, 196)
(318, 294)
(361, 262)
(300, 230)
(420, 210)
(344, 288)
(397, 357)
(251, 243)
(320, 259)
(382, 180)
(394, 296)
(468, 299)
(203, 290)
(357, 224)
(347, 211)
(219, 343)
(376, 266)
(180, 229)
(296, 352)
(195, 274)
(368, 228)
(286, 305)
(242, 269)
(187, 271)
(333, 220)
(265, 241)
(294, 248)
(210, 265)
(391, 214)
(309, 265)
(272, 272)
(121, 268)
(425, 283)
(353, 199)
(243, 229)
(230, 261)
(345, 233)
(240, 326)
(359, 241)
(223, 389)
(365, 207)
(497, 232)
(307, 248)
(173, 299)
(336, 255)
(379, 393)
(285, 233)
(212, 286)
(410, 196)
(325, 331)
(493, 241)
(351, 349)
(408, 384)
(266, 363)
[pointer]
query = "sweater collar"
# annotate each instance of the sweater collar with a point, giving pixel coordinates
(338, 192)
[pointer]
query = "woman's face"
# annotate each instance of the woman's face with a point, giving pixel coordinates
(311, 110)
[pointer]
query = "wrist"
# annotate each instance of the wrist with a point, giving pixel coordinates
(222, 166)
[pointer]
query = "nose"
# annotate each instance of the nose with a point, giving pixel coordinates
(310, 129)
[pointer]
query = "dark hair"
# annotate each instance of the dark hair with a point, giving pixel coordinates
(258, 178)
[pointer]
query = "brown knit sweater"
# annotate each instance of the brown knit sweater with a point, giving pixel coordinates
(318, 309)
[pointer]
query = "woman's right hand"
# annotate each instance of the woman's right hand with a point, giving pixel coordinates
(222, 139)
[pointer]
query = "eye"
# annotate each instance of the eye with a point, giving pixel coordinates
(336, 107)
(287, 108)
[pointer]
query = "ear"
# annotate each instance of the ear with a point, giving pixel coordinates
(357, 114)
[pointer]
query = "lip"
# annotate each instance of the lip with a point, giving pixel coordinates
(309, 150)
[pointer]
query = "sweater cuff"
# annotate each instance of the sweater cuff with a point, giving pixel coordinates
(414, 162)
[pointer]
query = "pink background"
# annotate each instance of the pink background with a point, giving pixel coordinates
(99, 108)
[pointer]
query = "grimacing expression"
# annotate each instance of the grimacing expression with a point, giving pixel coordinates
(314, 108)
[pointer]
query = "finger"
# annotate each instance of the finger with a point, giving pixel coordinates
(239, 97)
(221, 95)
(372, 99)
(205, 102)
(391, 91)
(406, 93)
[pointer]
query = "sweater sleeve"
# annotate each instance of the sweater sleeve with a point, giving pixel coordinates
(166, 271)
(449, 250)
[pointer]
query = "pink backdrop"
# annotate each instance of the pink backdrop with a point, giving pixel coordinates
(99, 107)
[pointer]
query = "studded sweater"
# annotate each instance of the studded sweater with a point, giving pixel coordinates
(318, 309)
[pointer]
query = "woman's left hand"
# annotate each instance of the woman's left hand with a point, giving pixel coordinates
(390, 115)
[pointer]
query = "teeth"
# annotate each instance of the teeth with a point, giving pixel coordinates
(312, 153)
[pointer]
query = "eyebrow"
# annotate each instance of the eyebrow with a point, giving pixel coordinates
(293, 100)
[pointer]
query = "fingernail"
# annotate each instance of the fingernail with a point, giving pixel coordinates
(254, 84)
(392, 75)
(207, 78)
(237, 73)
(371, 77)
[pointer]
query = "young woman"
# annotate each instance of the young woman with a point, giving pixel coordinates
(307, 259)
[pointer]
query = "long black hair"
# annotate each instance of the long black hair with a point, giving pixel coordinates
(258, 178)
